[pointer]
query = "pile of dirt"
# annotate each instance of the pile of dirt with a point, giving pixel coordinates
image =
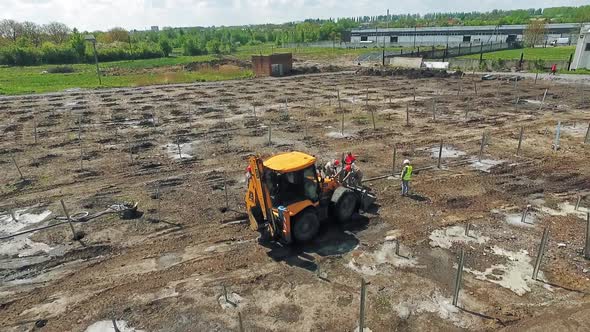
(316, 69)
(410, 73)
(215, 64)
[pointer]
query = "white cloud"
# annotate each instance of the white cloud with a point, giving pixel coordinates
(140, 14)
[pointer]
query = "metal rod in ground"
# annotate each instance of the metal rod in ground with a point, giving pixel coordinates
(225, 294)
(434, 109)
(557, 136)
(18, 169)
(362, 310)
(158, 195)
(467, 229)
(373, 118)
(35, 128)
(440, 151)
(339, 101)
(130, 151)
(587, 244)
(179, 148)
(342, 124)
(254, 110)
(225, 190)
(393, 161)
(414, 93)
(525, 213)
(367, 100)
(240, 324)
(269, 134)
(81, 156)
(408, 114)
(578, 202)
(587, 139)
(540, 253)
(543, 101)
(13, 216)
(520, 141)
(483, 144)
(536, 77)
(63, 205)
(397, 248)
(475, 87)
(458, 277)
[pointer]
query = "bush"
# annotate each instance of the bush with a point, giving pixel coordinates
(19, 56)
(52, 54)
(60, 70)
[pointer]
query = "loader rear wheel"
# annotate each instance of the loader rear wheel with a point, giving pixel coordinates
(346, 205)
(306, 226)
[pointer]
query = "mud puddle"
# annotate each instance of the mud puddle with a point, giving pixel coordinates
(108, 326)
(445, 238)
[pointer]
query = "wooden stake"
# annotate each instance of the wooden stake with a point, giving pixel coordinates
(373, 118)
(587, 139)
(414, 93)
(339, 101)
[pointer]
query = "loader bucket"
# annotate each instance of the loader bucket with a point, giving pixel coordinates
(366, 197)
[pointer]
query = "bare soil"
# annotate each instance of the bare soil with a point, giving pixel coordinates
(165, 271)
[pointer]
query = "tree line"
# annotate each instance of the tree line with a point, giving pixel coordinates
(27, 43)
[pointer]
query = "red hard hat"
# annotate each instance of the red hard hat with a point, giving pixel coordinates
(348, 168)
(336, 162)
(249, 168)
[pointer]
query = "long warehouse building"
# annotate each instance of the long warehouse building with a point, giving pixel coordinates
(565, 33)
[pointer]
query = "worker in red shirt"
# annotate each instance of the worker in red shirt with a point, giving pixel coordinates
(350, 159)
(554, 69)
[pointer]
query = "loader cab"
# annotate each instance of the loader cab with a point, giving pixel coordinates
(291, 178)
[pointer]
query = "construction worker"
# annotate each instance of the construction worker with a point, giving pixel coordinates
(554, 69)
(350, 159)
(332, 168)
(406, 177)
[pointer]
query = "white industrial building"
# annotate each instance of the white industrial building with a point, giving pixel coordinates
(582, 55)
(456, 35)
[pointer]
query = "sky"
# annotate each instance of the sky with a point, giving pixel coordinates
(141, 14)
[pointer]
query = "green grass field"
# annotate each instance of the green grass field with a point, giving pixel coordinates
(23, 80)
(549, 53)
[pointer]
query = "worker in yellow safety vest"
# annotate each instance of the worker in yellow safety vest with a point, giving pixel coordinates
(406, 177)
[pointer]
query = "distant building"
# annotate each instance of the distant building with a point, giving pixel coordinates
(456, 35)
(582, 55)
(155, 28)
(272, 65)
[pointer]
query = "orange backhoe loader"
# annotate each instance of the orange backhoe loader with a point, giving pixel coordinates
(287, 198)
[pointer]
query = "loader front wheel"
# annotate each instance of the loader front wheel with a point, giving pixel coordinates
(306, 226)
(345, 207)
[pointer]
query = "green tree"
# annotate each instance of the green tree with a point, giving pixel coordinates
(166, 47)
(78, 43)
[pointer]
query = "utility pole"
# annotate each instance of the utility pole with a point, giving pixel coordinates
(92, 39)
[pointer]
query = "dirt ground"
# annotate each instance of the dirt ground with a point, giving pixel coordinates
(173, 148)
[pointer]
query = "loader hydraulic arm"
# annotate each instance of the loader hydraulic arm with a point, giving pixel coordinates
(258, 197)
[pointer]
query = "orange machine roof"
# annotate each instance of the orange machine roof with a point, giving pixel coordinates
(289, 162)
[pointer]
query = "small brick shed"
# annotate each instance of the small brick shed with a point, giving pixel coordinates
(272, 65)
